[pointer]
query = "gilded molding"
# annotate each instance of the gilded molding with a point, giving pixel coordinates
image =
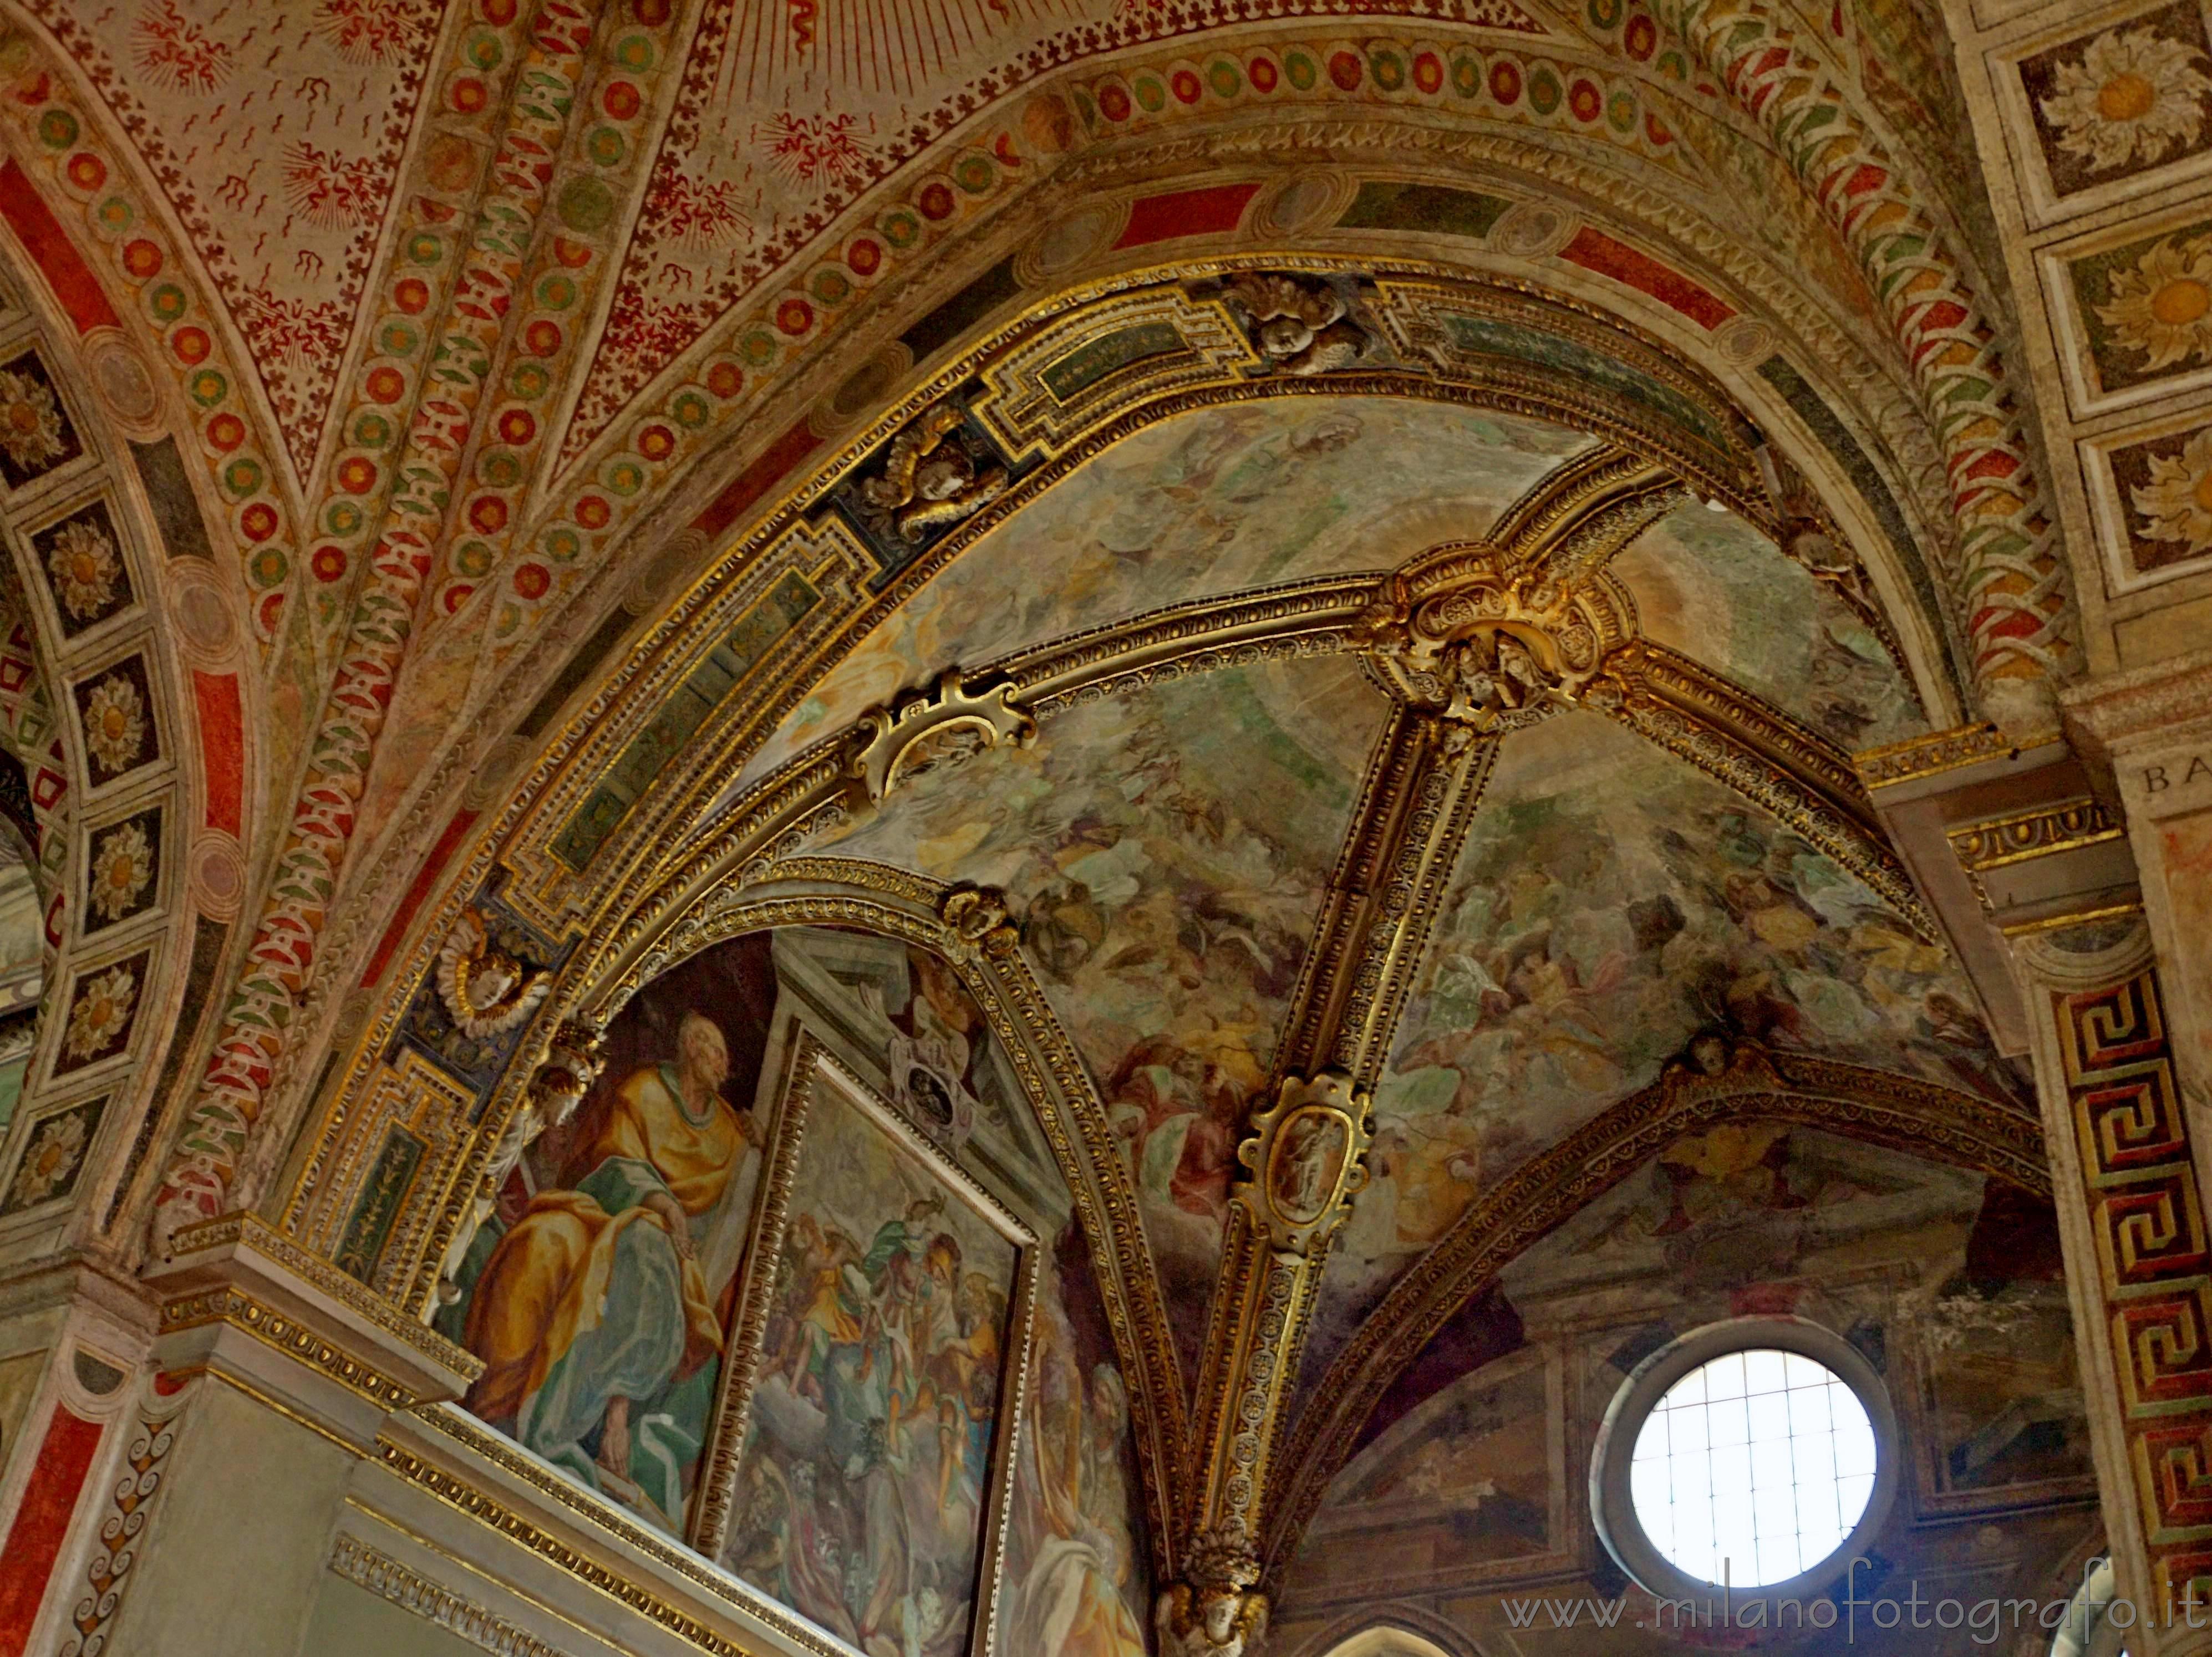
(2044, 832)
(283, 1334)
(1917, 757)
(1938, 1122)
(1424, 782)
(1573, 520)
(386, 1577)
(1768, 759)
(486, 1508)
(247, 1232)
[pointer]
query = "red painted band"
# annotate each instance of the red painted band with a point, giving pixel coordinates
(34, 1541)
(53, 252)
(747, 488)
(222, 749)
(1186, 213)
(425, 877)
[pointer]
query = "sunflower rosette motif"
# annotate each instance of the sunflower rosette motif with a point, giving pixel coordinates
(30, 421)
(2176, 504)
(122, 865)
(115, 723)
(85, 567)
(101, 1014)
(54, 1154)
(2134, 96)
(2163, 307)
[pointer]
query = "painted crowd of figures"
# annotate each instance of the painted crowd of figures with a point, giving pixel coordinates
(604, 1295)
(867, 1465)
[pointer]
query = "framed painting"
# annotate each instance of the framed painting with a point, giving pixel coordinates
(861, 1464)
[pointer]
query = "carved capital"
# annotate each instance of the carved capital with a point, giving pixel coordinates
(1304, 1158)
(1215, 1612)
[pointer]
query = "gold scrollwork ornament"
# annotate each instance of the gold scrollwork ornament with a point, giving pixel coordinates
(1495, 652)
(952, 720)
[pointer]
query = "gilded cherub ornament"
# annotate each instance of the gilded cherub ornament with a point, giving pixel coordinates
(486, 991)
(1216, 1614)
(930, 482)
(1302, 327)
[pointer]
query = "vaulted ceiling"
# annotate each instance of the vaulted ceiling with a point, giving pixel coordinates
(1374, 538)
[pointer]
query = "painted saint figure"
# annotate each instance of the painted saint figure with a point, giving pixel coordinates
(599, 1316)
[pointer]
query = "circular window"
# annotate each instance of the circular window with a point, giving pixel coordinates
(1754, 1453)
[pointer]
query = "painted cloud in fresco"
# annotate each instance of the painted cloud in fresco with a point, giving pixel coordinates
(1611, 903)
(1213, 502)
(1166, 853)
(1709, 584)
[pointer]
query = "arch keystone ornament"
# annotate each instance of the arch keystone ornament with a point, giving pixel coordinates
(952, 719)
(1492, 651)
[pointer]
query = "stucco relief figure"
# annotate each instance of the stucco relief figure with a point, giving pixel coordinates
(486, 989)
(930, 479)
(1217, 1621)
(1302, 326)
(599, 1316)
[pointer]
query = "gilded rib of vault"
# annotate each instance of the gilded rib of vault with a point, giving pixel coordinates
(1300, 635)
(1368, 710)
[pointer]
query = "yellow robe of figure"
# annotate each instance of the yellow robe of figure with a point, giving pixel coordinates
(546, 1285)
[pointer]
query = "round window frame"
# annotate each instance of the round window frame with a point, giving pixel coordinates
(1612, 1504)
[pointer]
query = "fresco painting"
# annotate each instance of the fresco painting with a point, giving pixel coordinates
(1465, 1480)
(1076, 1581)
(1710, 586)
(1997, 1338)
(1611, 903)
(1213, 502)
(603, 1291)
(600, 1300)
(1166, 851)
(1746, 1206)
(872, 1426)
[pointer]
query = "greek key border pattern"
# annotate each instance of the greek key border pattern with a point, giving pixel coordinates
(2131, 1130)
